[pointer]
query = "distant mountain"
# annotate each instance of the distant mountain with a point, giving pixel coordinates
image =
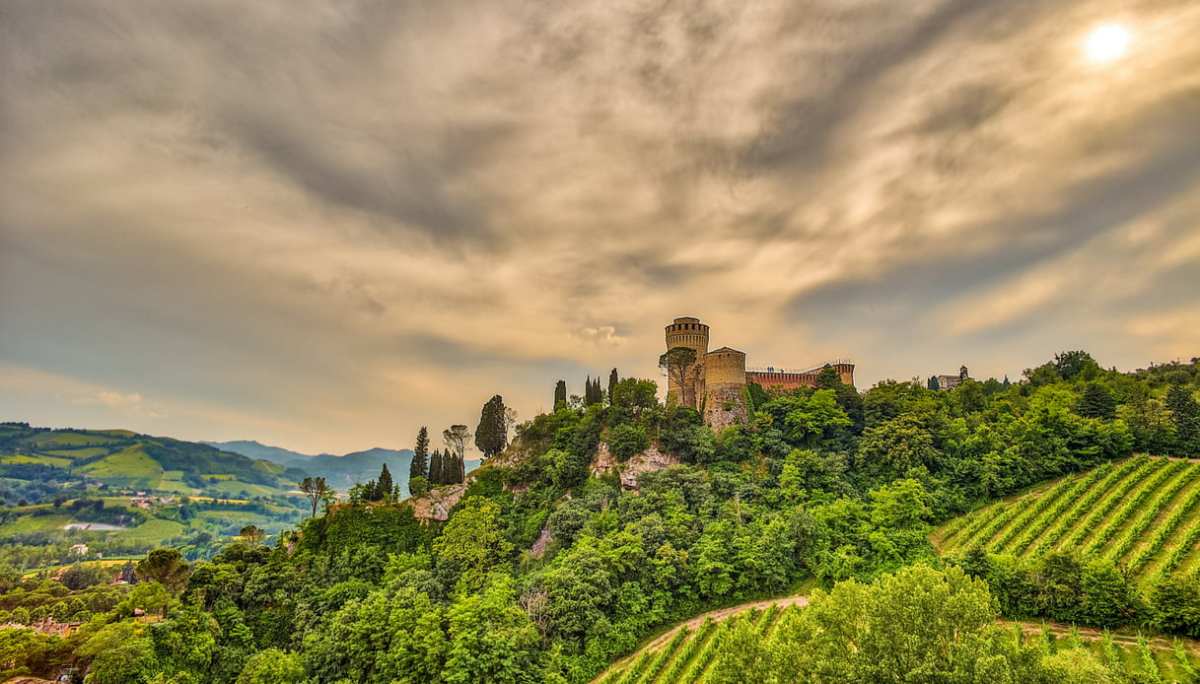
(254, 449)
(341, 472)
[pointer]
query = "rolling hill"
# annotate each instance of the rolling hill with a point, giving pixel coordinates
(1142, 512)
(127, 460)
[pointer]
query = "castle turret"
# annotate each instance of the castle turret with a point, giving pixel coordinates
(690, 333)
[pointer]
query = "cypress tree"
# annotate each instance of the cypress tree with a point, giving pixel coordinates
(420, 461)
(560, 395)
(587, 391)
(492, 434)
(612, 384)
(383, 489)
(435, 468)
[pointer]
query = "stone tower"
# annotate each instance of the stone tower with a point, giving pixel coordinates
(724, 388)
(690, 333)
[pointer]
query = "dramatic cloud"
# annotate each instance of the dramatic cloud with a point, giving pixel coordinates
(325, 223)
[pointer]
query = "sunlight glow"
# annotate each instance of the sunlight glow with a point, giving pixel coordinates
(1107, 43)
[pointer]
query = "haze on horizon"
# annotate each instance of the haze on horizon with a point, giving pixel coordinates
(322, 224)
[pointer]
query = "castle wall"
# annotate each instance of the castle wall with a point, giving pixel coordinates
(690, 333)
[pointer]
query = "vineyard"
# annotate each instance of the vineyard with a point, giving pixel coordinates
(686, 654)
(1143, 513)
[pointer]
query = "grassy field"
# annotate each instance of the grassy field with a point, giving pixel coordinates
(685, 654)
(55, 461)
(1143, 512)
(131, 465)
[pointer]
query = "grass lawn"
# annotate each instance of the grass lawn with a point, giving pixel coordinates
(28, 524)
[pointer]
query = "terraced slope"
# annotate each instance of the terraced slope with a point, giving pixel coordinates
(1143, 512)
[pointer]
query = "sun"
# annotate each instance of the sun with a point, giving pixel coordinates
(1107, 43)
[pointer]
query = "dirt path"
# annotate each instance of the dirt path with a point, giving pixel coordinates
(694, 623)
(1093, 634)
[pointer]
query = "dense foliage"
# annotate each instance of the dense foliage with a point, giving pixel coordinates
(550, 566)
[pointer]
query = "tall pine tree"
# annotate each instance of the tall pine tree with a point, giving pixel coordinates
(560, 394)
(383, 488)
(420, 461)
(1096, 402)
(612, 384)
(1185, 412)
(587, 391)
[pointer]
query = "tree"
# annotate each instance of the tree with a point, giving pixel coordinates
(1096, 402)
(420, 461)
(473, 542)
(383, 488)
(252, 534)
(437, 468)
(613, 379)
(932, 383)
(456, 437)
(560, 395)
(1076, 364)
(492, 434)
(1185, 413)
(120, 653)
(677, 362)
(272, 666)
(315, 489)
(165, 566)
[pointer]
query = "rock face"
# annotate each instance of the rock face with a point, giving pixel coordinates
(437, 503)
(648, 461)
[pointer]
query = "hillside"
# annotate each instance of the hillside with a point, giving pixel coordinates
(125, 460)
(1142, 513)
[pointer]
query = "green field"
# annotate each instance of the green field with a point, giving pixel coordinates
(29, 524)
(55, 461)
(1143, 513)
(131, 465)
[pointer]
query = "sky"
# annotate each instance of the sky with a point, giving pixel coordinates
(322, 224)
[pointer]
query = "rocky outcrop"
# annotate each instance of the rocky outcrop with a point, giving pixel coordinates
(437, 503)
(630, 471)
(648, 461)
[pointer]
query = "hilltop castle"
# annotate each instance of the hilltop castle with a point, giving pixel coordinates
(715, 385)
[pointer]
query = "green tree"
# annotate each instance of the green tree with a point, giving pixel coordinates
(315, 489)
(1096, 402)
(492, 618)
(1076, 364)
(473, 543)
(677, 362)
(272, 666)
(165, 566)
(1185, 413)
(932, 383)
(613, 379)
(628, 439)
(492, 434)
(437, 468)
(560, 395)
(120, 653)
(420, 461)
(383, 488)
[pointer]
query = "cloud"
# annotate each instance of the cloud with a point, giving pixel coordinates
(328, 224)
